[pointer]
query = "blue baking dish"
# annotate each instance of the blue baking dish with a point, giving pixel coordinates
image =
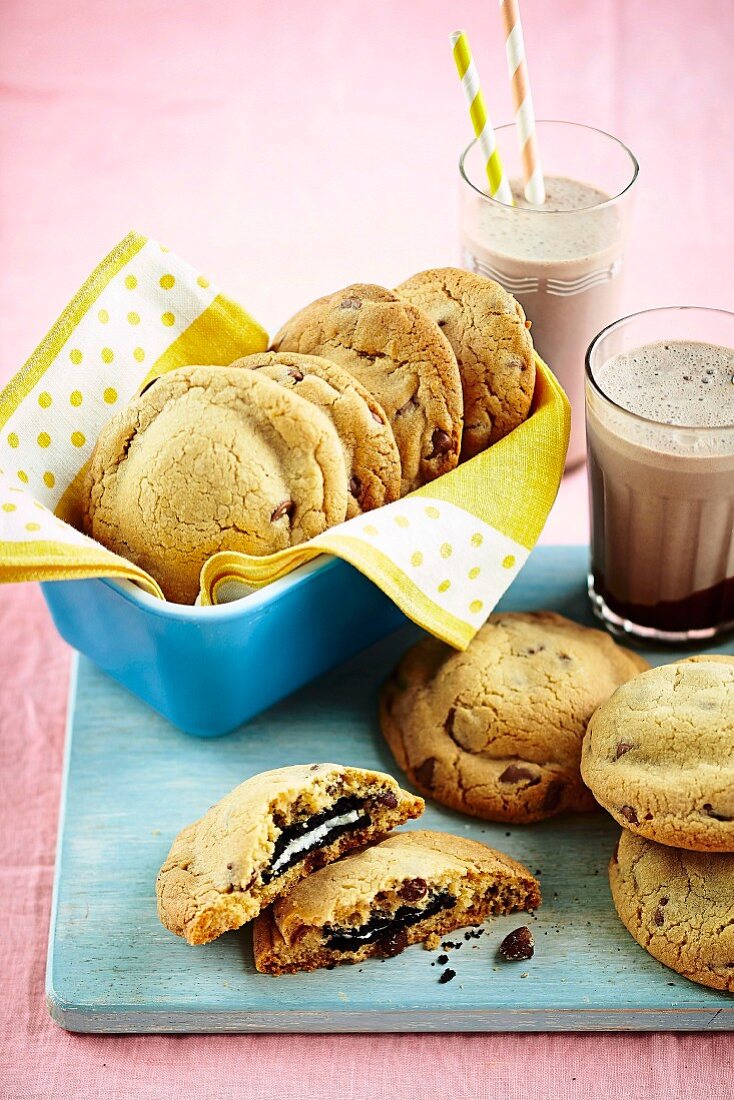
(210, 669)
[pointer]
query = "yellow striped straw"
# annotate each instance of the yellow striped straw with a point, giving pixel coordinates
(499, 188)
(523, 100)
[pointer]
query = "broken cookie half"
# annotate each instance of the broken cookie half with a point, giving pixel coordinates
(379, 900)
(268, 834)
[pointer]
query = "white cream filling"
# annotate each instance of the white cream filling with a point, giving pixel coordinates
(313, 838)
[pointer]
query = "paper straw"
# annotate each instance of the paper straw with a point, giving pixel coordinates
(499, 188)
(524, 113)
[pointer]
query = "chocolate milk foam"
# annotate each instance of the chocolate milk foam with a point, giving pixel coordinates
(563, 263)
(663, 493)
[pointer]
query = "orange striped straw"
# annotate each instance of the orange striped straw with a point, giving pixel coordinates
(523, 100)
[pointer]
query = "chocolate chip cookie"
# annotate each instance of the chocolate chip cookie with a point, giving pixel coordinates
(399, 354)
(265, 836)
(659, 755)
(496, 731)
(679, 906)
(370, 451)
(490, 336)
(378, 901)
(209, 459)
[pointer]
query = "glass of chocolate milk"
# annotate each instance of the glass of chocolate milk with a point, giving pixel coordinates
(660, 430)
(563, 261)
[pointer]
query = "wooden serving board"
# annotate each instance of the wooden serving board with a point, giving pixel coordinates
(132, 781)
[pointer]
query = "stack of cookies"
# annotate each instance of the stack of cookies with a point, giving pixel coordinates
(366, 395)
(659, 756)
(304, 852)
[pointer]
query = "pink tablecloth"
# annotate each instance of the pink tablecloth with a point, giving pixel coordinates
(290, 149)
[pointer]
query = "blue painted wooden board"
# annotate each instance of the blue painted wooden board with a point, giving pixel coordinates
(132, 781)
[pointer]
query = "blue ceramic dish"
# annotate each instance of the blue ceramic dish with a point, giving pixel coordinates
(210, 669)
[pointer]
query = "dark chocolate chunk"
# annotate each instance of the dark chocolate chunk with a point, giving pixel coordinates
(295, 374)
(441, 443)
(413, 889)
(355, 486)
(622, 748)
(424, 774)
(389, 799)
(447, 976)
(658, 916)
(553, 795)
(515, 773)
(518, 945)
(285, 508)
(712, 813)
(630, 813)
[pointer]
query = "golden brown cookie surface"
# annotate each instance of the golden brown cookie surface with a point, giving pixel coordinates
(487, 330)
(659, 755)
(402, 358)
(496, 731)
(370, 451)
(209, 459)
(378, 901)
(679, 906)
(267, 834)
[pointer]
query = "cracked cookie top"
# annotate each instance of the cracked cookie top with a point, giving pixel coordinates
(496, 731)
(659, 755)
(679, 906)
(370, 451)
(209, 459)
(490, 336)
(397, 352)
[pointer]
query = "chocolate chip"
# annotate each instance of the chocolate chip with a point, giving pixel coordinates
(658, 917)
(285, 508)
(712, 813)
(514, 773)
(413, 890)
(424, 774)
(630, 813)
(355, 486)
(350, 303)
(518, 945)
(553, 795)
(622, 748)
(447, 976)
(295, 374)
(441, 443)
(387, 798)
(230, 866)
(392, 944)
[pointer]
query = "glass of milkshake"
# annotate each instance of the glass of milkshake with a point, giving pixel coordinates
(563, 261)
(660, 430)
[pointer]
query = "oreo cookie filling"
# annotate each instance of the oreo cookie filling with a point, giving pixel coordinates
(385, 926)
(297, 840)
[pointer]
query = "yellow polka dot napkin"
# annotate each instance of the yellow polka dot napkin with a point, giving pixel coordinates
(445, 554)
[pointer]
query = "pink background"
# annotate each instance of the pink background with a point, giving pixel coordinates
(288, 149)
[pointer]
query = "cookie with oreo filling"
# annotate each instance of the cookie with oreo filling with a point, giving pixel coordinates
(265, 836)
(378, 901)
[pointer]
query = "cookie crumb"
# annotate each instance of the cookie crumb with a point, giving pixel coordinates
(432, 942)
(518, 945)
(442, 959)
(447, 976)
